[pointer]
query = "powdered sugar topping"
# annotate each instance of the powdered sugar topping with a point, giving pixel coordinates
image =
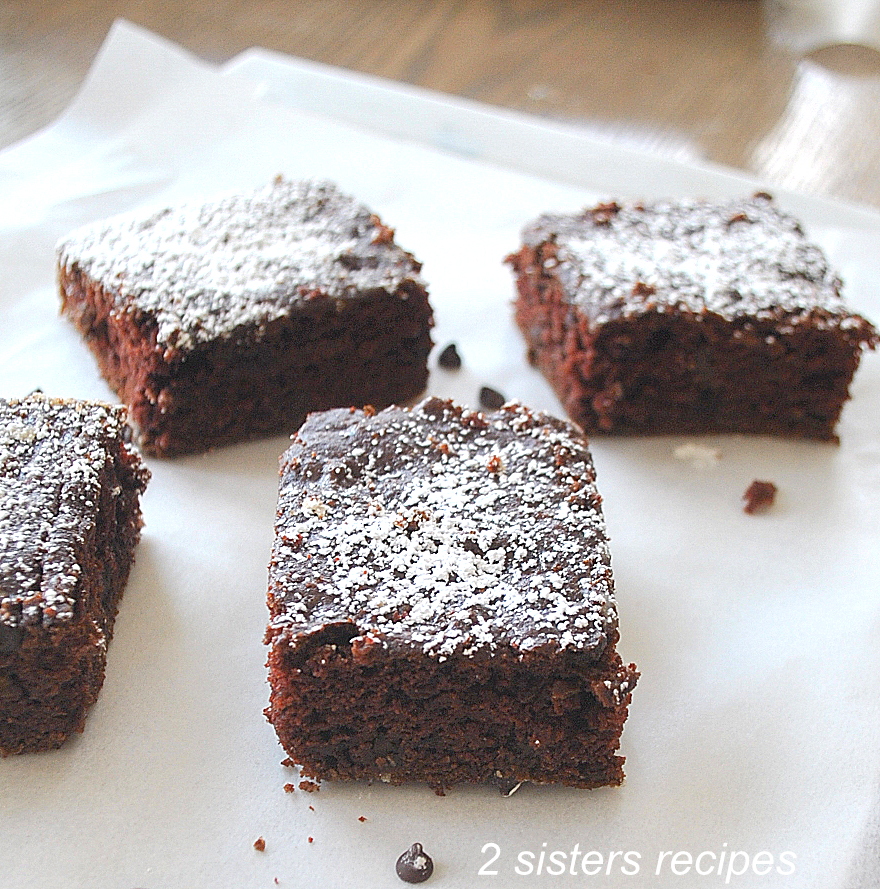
(734, 258)
(52, 455)
(442, 529)
(204, 270)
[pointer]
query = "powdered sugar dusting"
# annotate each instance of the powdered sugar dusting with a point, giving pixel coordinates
(700, 456)
(203, 270)
(451, 531)
(735, 258)
(52, 456)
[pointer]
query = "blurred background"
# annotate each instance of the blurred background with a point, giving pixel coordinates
(788, 90)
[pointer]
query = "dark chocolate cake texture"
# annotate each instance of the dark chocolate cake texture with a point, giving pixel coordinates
(687, 316)
(442, 603)
(220, 321)
(69, 521)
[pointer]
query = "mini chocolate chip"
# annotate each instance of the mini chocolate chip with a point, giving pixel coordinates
(414, 866)
(449, 358)
(491, 399)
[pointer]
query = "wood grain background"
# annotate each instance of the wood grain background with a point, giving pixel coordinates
(695, 79)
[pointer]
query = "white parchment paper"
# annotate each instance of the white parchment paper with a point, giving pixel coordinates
(753, 750)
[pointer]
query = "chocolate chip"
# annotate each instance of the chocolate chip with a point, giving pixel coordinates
(759, 496)
(491, 399)
(414, 866)
(449, 358)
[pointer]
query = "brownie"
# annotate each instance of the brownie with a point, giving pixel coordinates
(441, 601)
(70, 486)
(223, 321)
(688, 317)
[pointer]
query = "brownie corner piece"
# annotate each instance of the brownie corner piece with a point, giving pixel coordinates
(441, 602)
(688, 316)
(222, 321)
(70, 519)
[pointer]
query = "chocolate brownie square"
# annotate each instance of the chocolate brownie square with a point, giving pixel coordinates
(70, 518)
(688, 317)
(231, 319)
(441, 601)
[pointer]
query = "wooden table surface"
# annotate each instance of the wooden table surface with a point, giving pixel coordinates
(695, 79)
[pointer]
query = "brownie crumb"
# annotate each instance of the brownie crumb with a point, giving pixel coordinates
(309, 786)
(289, 788)
(260, 844)
(362, 819)
(311, 808)
(414, 866)
(449, 358)
(384, 234)
(759, 496)
(311, 839)
(491, 399)
(495, 464)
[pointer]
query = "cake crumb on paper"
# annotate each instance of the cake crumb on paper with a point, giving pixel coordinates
(759, 496)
